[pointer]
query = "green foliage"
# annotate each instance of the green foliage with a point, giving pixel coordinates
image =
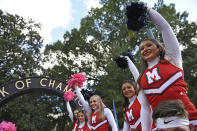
(20, 47)
(187, 36)
(35, 113)
(103, 36)
(20, 57)
(90, 49)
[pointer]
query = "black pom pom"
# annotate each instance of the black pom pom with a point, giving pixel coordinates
(121, 62)
(129, 54)
(135, 10)
(137, 16)
(87, 93)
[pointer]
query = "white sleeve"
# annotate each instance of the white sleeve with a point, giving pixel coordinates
(145, 113)
(126, 126)
(108, 114)
(69, 110)
(173, 52)
(132, 68)
(84, 103)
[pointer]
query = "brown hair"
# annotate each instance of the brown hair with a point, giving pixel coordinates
(170, 108)
(162, 53)
(126, 100)
(84, 113)
(74, 118)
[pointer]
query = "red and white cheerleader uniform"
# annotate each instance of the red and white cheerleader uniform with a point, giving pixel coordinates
(71, 115)
(164, 79)
(83, 127)
(94, 122)
(98, 125)
(132, 114)
(138, 114)
(75, 125)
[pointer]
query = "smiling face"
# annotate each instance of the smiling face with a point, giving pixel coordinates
(81, 117)
(149, 50)
(75, 113)
(94, 102)
(128, 90)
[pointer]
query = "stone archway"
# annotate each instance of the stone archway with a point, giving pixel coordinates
(30, 84)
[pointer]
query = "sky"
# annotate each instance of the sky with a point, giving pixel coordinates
(59, 16)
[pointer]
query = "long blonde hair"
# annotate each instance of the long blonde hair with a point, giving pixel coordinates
(100, 106)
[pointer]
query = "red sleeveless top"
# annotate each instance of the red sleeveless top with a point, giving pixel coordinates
(132, 115)
(96, 124)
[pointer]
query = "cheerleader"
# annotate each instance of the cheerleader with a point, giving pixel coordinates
(162, 76)
(83, 124)
(100, 116)
(73, 118)
(137, 111)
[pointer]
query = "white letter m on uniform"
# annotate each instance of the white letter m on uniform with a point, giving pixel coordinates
(130, 115)
(93, 119)
(153, 76)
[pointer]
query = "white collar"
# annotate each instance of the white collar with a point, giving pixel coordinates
(81, 124)
(131, 100)
(153, 62)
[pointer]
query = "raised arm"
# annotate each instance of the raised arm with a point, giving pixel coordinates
(173, 53)
(145, 113)
(132, 68)
(69, 110)
(84, 103)
(108, 114)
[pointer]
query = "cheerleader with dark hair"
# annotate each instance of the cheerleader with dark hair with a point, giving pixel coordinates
(68, 96)
(73, 118)
(137, 111)
(83, 124)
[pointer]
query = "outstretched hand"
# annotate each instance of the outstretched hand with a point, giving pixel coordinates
(122, 61)
(129, 54)
(76, 80)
